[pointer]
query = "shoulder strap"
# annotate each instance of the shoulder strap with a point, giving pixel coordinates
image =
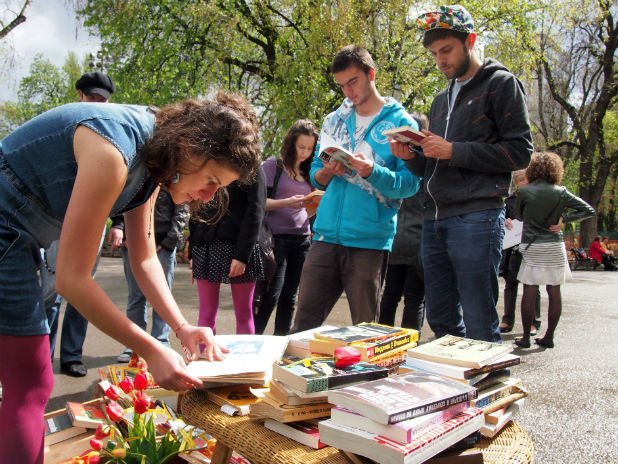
(272, 190)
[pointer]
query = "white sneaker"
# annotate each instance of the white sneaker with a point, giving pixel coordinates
(125, 356)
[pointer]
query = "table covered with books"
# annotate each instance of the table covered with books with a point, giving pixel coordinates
(262, 446)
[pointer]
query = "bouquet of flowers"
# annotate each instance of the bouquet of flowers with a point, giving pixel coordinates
(140, 430)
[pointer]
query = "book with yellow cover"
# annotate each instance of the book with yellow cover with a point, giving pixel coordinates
(234, 399)
(369, 349)
(270, 407)
(363, 332)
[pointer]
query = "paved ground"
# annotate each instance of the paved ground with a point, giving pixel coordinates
(571, 410)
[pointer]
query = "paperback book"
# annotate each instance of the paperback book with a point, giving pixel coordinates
(402, 397)
(461, 372)
(320, 374)
(402, 432)
(288, 395)
(387, 451)
(270, 407)
(405, 134)
(497, 392)
(233, 399)
(298, 343)
(492, 427)
(330, 150)
(461, 351)
(368, 349)
(363, 332)
(305, 432)
(89, 415)
(312, 201)
(59, 427)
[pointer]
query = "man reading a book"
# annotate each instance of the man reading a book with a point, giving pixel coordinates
(356, 220)
(479, 132)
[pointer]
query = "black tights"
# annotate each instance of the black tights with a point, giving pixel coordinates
(528, 302)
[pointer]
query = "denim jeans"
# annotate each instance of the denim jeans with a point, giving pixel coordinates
(137, 304)
(461, 257)
(290, 252)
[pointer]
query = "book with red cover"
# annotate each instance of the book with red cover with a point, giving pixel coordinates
(305, 432)
(405, 134)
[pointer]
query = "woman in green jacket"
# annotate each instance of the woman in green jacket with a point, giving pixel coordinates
(543, 205)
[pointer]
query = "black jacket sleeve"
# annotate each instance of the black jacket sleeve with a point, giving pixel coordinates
(252, 217)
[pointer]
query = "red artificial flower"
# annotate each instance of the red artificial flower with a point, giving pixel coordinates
(102, 431)
(96, 444)
(141, 381)
(142, 402)
(113, 393)
(114, 411)
(126, 385)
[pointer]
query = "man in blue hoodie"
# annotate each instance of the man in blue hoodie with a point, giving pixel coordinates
(479, 133)
(356, 219)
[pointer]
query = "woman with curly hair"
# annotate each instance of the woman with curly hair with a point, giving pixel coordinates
(62, 174)
(543, 205)
(289, 222)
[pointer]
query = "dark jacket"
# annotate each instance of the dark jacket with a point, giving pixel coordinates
(490, 132)
(541, 204)
(240, 224)
(169, 221)
(407, 242)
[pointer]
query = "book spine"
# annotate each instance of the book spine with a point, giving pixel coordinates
(317, 384)
(495, 396)
(386, 346)
(434, 406)
(491, 367)
(306, 413)
(339, 380)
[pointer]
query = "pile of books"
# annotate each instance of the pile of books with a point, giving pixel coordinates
(482, 364)
(406, 418)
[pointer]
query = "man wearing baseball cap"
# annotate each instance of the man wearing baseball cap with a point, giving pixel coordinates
(95, 87)
(479, 132)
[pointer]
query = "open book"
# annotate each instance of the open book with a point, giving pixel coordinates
(312, 201)
(332, 150)
(405, 134)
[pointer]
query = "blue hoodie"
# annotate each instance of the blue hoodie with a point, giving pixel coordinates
(357, 212)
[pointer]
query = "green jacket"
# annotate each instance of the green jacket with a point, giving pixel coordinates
(541, 204)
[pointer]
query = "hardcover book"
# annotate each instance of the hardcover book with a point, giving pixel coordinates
(269, 407)
(402, 432)
(461, 372)
(387, 451)
(305, 432)
(402, 397)
(405, 134)
(88, 415)
(461, 351)
(319, 374)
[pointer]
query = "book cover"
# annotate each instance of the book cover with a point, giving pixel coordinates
(250, 358)
(388, 451)
(402, 432)
(298, 343)
(497, 392)
(461, 372)
(368, 349)
(270, 407)
(363, 332)
(312, 201)
(331, 150)
(319, 374)
(402, 397)
(233, 399)
(59, 427)
(461, 351)
(405, 134)
(305, 432)
(288, 395)
(88, 415)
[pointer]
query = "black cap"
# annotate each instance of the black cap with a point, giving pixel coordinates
(96, 83)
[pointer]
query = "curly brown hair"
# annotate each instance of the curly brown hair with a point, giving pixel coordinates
(288, 148)
(546, 166)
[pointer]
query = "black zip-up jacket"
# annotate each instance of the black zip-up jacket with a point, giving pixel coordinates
(490, 132)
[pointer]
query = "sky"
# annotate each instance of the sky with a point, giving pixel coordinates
(51, 29)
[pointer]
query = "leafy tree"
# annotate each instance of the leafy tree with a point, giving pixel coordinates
(45, 87)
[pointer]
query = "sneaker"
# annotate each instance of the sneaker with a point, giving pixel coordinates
(125, 356)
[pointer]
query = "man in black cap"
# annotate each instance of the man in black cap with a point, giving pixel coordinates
(95, 87)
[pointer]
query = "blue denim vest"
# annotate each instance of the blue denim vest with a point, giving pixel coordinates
(37, 175)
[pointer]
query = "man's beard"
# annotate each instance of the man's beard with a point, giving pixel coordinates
(463, 67)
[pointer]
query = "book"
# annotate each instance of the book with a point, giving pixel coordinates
(461, 372)
(288, 395)
(502, 390)
(461, 351)
(402, 432)
(89, 414)
(233, 399)
(269, 408)
(405, 134)
(330, 150)
(491, 429)
(59, 427)
(513, 235)
(305, 432)
(298, 343)
(312, 201)
(363, 332)
(387, 451)
(249, 360)
(319, 374)
(402, 397)
(368, 349)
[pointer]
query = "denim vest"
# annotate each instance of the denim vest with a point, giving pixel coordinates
(39, 168)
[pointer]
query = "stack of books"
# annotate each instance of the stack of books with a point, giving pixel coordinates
(482, 364)
(406, 418)
(378, 344)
